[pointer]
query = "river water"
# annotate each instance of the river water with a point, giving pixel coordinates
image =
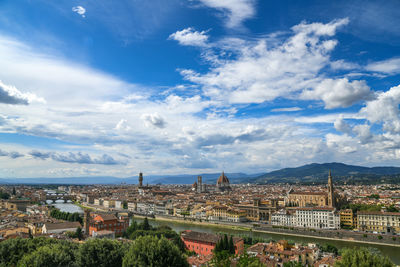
(392, 252)
(66, 207)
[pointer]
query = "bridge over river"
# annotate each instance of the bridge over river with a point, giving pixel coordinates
(59, 196)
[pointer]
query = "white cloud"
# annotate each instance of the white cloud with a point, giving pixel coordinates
(235, 11)
(122, 125)
(259, 72)
(154, 120)
(390, 66)
(342, 126)
(80, 10)
(385, 109)
(11, 95)
(339, 93)
(190, 37)
(291, 109)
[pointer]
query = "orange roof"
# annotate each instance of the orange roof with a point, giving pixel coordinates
(222, 179)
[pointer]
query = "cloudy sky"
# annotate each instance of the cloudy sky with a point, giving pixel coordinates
(104, 87)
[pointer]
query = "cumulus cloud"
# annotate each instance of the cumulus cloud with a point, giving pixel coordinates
(11, 95)
(235, 11)
(339, 93)
(342, 126)
(79, 157)
(385, 109)
(12, 154)
(258, 72)
(190, 37)
(122, 125)
(153, 120)
(389, 66)
(79, 10)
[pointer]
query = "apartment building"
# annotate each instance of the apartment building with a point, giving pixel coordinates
(318, 217)
(377, 221)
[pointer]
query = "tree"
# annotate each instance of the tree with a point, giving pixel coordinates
(125, 204)
(153, 251)
(146, 226)
(231, 246)
(100, 253)
(362, 257)
(225, 243)
(4, 195)
(221, 259)
(13, 192)
(49, 256)
(78, 233)
(13, 250)
(248, 261)
(292, 264)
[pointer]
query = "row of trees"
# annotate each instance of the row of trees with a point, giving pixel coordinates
(67, 216)
(45, 252)
(4, 195)
(224, 245)
(137, 230)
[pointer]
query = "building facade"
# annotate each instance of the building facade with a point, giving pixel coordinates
(380, 222)
(204, 243)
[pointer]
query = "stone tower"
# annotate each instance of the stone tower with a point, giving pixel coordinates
(140, 179)
(199, 184)
(331, 197)
(86, 221)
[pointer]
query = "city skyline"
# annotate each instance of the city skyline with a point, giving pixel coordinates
(196, 86)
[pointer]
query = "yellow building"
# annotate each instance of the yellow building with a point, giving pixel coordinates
(223, 213)
(347, 219)
(306, 199)
(377, 221)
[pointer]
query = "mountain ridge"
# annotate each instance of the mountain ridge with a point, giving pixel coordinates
(309, 173)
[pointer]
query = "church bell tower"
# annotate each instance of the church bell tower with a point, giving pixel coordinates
(331, 197)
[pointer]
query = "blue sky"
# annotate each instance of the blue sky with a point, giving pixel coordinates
(190, 86)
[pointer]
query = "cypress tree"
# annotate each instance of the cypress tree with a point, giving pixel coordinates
(231, 246)
(146, 225)
(226, 243)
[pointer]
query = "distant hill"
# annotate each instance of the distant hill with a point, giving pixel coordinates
(311, 173)
(315, 173)
(209, 178)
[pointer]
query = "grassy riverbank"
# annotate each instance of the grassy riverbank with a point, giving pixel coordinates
(202, 223)
(249, 229)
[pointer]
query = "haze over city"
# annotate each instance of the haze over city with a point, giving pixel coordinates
(112, 88)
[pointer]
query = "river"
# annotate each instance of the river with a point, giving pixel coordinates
(66, 207)
(392, 252)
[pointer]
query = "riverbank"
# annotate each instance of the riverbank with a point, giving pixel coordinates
(203, 223)
(327, 238)
(241, 227)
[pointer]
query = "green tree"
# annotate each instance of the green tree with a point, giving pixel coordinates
(50, 256)
(4, 195)
(292, 264)
(221, 259)
(146, 226)
(12, 250)
(78, 233)
(153, 251)
(231, 246)
(225, 243)
(100, 253)
(362, 257)
(125, 204)
(14, 192)
(248, 261)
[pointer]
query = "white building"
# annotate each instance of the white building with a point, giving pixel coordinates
(284, 218)
(318, 218)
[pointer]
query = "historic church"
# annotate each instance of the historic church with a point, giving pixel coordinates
(307, 199)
